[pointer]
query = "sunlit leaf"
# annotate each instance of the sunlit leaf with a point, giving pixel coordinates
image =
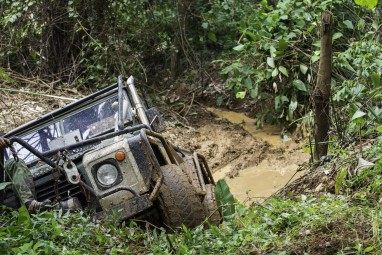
(339, 180)
(358, 114)
(224, 199)
(336, 36)
(284, 71)
(367, 3)
(303, 68)
(299, 85)
(240, 94)
(275, 72)
(348, 24)
(368, 249)
(4, 185)
(240, 47)
(271, 62)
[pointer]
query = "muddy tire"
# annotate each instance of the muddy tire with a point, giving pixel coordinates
(178, 202)
(211, 206)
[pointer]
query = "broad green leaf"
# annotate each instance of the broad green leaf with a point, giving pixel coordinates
(292, 108)
(315, 58)
(248, 83)
(361, 24)
(303, 68)
(367, 3)
(293, 105)
(219, 101)
(299, 85)
(284, 99)
(251, 35)
(24, 217)
(340, 180)
(271, 62)
(230, 68)
(240, 94)
(272, 50)
(4, 185)
(379, 129)
(348, 24)
(255, 92)
(224, 199)
(376, 79)
(212, 37)
(283, 45)
(240, 47)
(368, 249)
(284, 71)
(336, 36)
(358, 114)
(277, 103)
(275, 72)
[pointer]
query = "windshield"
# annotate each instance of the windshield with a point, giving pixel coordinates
(76, 126)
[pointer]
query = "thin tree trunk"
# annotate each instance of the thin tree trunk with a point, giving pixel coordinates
(322, 93)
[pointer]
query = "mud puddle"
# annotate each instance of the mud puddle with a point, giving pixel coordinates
(257, 182)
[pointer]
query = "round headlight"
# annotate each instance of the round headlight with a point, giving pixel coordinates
(107, 174)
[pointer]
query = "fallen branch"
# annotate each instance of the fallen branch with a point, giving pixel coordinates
(38, 94)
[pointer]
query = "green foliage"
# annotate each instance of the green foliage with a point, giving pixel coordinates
(224, 199)
(4, 185)
(356, 95)
(82, 42)
(340, 180)
(282, 225)
(367, 3)
(277, 52)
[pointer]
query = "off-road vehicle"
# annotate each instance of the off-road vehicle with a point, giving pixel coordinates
(106, 151)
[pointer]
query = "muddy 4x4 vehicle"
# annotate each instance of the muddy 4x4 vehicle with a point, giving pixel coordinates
(106, 150)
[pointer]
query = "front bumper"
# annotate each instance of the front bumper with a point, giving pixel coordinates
(129, 208)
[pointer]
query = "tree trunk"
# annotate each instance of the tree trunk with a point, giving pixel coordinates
(322, 93)
(178, 41)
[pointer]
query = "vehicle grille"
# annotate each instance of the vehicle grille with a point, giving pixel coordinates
(65, 190)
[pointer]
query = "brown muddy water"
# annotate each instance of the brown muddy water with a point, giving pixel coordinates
(272, 171)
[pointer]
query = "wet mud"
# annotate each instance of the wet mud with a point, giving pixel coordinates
(254, 162)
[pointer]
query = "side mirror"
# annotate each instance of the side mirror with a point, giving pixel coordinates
(156, 120)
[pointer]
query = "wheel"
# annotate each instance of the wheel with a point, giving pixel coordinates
(210, 205)
(178, 202)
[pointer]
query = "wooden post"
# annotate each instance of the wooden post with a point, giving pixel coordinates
(321, 94)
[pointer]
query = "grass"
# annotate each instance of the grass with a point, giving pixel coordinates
(307, 225)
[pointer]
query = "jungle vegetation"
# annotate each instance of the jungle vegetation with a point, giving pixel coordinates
(263, 52)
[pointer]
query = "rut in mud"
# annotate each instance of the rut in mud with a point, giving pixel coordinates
(254, 162)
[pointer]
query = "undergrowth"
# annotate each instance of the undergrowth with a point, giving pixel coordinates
(348, 222)
(327, 224)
